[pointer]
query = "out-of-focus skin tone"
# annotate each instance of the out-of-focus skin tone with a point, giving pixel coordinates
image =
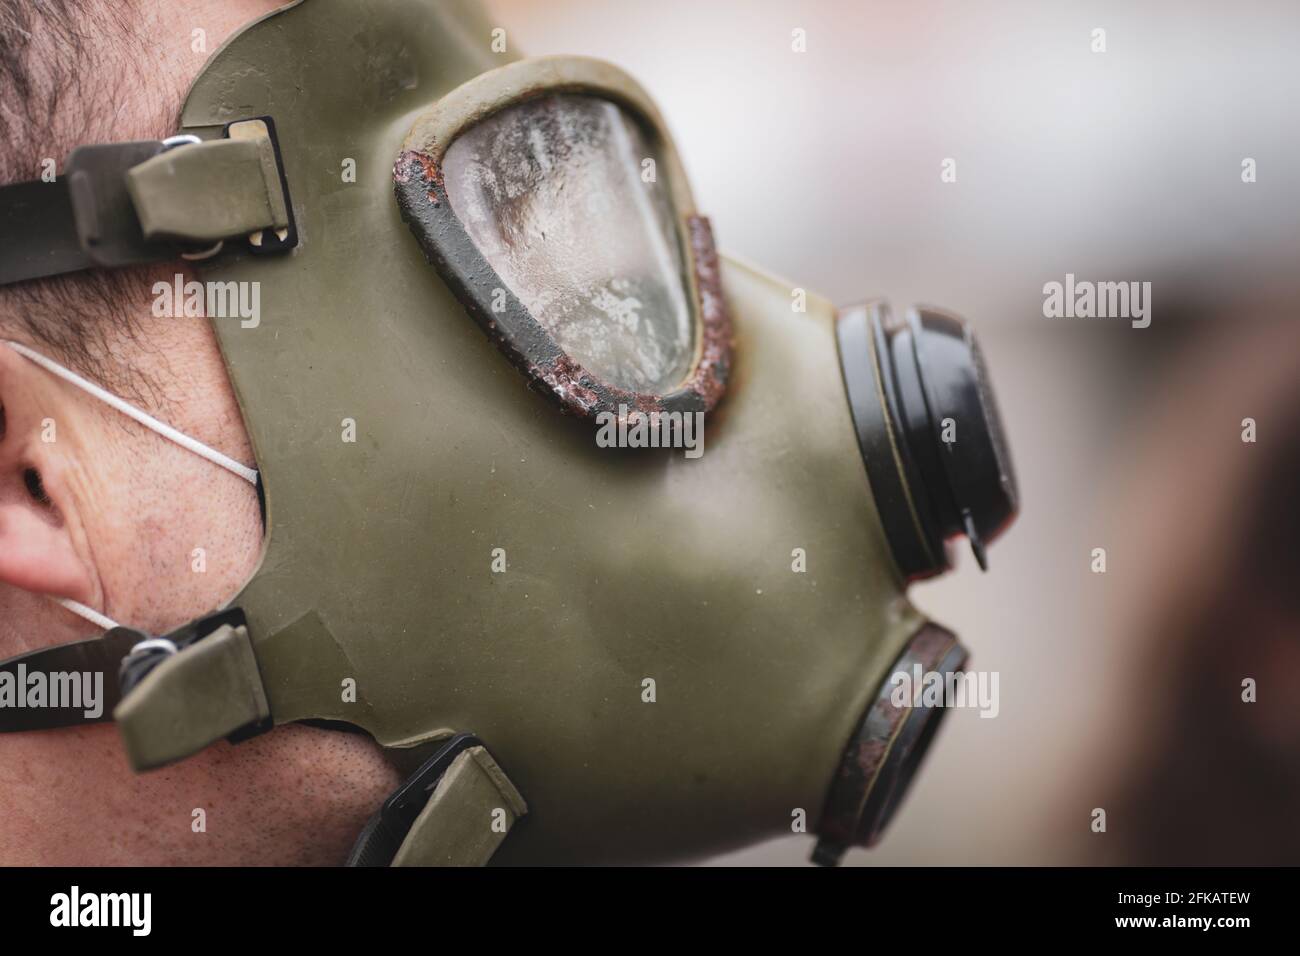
(113, 522)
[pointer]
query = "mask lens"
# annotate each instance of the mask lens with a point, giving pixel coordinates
(554, 193)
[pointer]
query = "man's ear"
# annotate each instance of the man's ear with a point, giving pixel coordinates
(37, 549)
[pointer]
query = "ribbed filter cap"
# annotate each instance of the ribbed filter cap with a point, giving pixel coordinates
(935, 453)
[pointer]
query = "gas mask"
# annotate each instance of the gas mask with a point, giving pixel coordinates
(585, 626)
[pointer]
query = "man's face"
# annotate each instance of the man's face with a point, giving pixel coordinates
(97, 509)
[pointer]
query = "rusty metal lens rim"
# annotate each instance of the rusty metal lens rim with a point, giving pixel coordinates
(425, 207)
(907, 754)
(886, 751)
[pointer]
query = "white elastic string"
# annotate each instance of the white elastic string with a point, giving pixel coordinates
(149, 422)
(90, 614)
(145, 419)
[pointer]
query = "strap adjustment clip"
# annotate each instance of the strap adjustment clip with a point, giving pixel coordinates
(455, 810)
(213, 190)
(195, 686)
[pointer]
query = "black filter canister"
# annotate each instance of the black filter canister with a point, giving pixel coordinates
(929, 431)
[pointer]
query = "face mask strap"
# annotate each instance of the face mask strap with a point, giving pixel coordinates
(123, 204)
(171, 696)
(98, 656)
(176, 695)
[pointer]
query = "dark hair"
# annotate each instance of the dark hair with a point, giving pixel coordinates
(68, 68)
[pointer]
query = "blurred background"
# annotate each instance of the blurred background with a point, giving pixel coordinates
(1120, 690)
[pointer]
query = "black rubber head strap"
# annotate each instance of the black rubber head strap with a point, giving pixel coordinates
(86, 216)
(38, 232)
(98, 657)
(123, 204)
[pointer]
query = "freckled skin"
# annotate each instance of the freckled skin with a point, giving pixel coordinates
(125, 511)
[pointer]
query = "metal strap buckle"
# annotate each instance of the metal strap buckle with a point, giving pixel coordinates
(149, 653)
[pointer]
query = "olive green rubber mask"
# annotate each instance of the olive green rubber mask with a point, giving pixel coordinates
(659, 655)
